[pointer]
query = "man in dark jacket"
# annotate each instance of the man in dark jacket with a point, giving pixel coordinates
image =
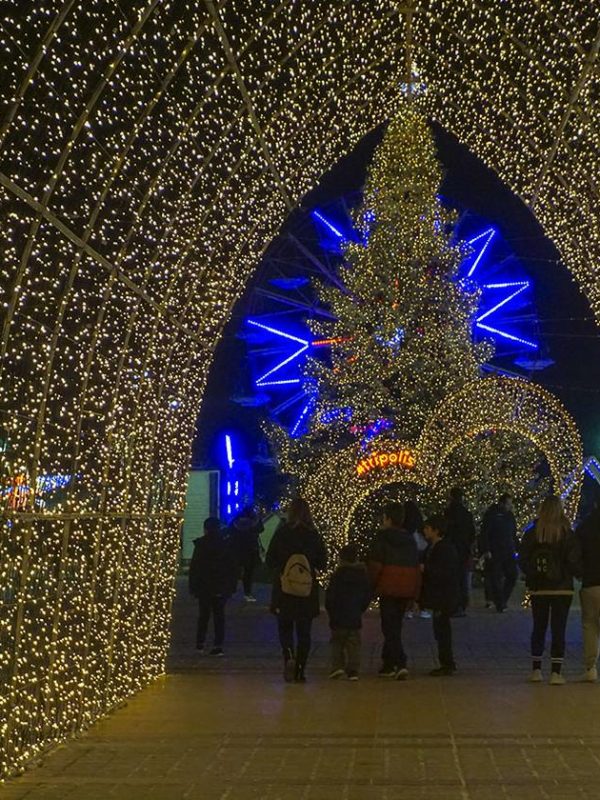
(441, 589)
(245, 531)
(212, 579)
(346, 599)
(589, 536)
(460, 530)
(499, 544)
(396, 579)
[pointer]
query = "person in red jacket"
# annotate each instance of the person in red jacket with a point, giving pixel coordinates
(395, 574)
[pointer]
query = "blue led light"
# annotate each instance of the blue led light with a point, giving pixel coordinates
(278, 332)
(229, 450)
(303, 413)
(510, 336)
(522, 286)
(277, 367)
(279, 383)
(489, 235)
(317, 215)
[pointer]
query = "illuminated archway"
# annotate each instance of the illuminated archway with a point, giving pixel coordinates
(494, 403)
(145, 167)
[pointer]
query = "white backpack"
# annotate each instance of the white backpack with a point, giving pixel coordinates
(296, 578)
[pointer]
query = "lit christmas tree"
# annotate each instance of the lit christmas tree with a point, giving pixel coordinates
(401, 341)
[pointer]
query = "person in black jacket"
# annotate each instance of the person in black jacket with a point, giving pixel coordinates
(589, 537)
(245, 531)
(346, 599)
(441, 589)
(460, 530)
(296, 536)
(212, 579)
(550, 557)
(499, 543)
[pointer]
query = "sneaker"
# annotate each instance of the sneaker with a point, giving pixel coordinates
(557, 679)
(442, 671)
(352, 675)
(536, 676)
(402, 674)
(249, 598)
(409, 615)
(216, 651)
(590, 675)
(336, 673)
(200, 649)
(388, 672)
(489, 605)
(425, 614)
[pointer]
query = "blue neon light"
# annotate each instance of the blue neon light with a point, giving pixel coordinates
(303, 413)
(228, 488)
(489, 233)
(277, 332)
(317, 215)
(229, 450)
(522, 286)
(510, 336)
(277, 367)
(279, 383)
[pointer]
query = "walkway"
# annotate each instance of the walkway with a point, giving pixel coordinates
(231, 730)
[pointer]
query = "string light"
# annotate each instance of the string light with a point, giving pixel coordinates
(145, 165)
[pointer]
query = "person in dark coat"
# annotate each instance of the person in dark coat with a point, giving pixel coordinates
(295, 614)
(441, 589)
(212, 579)
(499, 544)
(395, 575)
(550, 557)
(589, 537)
(346, 599)
(245, 531)
(460, 530)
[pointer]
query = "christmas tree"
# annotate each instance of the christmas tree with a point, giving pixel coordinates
(401, 338)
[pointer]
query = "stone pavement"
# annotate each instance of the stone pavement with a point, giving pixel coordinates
(230, 729)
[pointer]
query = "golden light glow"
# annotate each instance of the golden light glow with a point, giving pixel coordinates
(149, 153)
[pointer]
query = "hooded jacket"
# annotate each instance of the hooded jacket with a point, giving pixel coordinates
(348, 596)
(393, 564)
(244, 533)
(499, 533)
(214, 568)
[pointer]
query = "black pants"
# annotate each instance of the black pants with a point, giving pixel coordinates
(206, 606)
(503, 577)
(442, 630)
(392, 610)
(248, 566)
(302, 629)
(556, 609)
(464, 586)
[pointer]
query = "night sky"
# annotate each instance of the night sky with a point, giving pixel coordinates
(566, 326)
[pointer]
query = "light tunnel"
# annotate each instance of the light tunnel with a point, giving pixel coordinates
(149, 152)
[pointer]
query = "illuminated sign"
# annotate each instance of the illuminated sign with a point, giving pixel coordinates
(396, 458)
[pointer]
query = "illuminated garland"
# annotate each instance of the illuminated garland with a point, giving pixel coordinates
(149, 152)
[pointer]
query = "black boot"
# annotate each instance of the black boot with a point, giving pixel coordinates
(301, 659)
(289, 666)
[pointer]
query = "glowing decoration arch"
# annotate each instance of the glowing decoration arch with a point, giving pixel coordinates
(499, 403)
(144, 167)
(489, 404)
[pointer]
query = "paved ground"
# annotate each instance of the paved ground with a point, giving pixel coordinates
(231, 730)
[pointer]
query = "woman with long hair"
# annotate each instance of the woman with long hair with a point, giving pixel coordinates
(295, 554)
(550, 557)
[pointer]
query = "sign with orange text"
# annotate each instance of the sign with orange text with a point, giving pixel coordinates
(394, 458)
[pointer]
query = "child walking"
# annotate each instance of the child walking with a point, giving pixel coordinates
(346, 599)
(441, 590)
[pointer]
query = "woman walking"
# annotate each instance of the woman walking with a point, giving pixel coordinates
(295, 554)
(550, 556)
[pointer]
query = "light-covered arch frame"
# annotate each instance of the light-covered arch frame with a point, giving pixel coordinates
(494, 403)
(511, 404)
(148, 153)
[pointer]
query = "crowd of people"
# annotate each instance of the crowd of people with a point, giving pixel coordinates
(412, 564)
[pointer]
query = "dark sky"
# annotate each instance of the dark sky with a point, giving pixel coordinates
(566, 325)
